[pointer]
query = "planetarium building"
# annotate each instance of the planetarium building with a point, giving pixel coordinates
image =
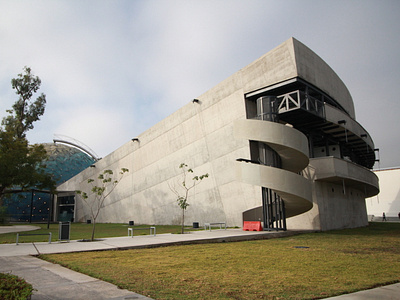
(62, 163)
(280, 143)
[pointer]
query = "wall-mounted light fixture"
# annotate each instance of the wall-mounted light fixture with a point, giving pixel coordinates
(93, 166)
(342, 122)
(135, 140)
(196, 101)
(364, 135)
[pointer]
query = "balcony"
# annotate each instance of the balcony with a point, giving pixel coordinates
(339, 171)
(327, 124)
(289, 143)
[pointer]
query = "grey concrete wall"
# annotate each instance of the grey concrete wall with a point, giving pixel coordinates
(316, 71)
(202, 136)
(388, 200)
(339, 207)
(334, 207)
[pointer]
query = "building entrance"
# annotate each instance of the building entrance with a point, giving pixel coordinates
(274, 217)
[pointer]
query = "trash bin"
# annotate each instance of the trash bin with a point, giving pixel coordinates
(195, 224)
(64, 231)
(88, 221)
(131, 223)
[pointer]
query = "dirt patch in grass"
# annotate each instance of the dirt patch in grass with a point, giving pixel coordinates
(308, 266)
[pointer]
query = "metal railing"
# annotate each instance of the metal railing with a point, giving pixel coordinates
(300, 100)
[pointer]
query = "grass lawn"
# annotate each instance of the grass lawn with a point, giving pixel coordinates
(83, 231)
(307, 266)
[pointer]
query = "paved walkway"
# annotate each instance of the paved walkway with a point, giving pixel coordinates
(55, 282)
(140, 241)
(17, 228)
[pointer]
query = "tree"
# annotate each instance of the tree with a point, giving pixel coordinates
(99, 193)
(22, 165)
(182, 196)
(25, 111)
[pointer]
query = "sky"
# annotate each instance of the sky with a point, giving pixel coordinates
(111, 69)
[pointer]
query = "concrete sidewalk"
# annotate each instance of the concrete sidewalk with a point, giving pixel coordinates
(388, 292)
(17, 228)
(55, 282)
(140, 241)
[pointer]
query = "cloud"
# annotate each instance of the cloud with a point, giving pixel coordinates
(135, 62)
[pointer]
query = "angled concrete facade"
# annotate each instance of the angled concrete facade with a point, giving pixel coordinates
(278, 138)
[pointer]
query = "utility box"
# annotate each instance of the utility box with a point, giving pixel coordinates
(64, 231)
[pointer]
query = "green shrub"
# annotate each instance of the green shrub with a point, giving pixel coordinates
(14, 288)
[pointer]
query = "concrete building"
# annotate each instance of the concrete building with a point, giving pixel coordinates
(35, 205)
(388, 200)
(278, 138)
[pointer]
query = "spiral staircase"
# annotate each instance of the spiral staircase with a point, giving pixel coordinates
(290, 132)
(283, 154)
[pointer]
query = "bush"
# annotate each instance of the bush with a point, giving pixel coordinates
(14, 288)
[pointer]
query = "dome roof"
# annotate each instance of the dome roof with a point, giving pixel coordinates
(65, 162)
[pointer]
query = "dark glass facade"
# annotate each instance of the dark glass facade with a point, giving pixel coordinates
(63, 163)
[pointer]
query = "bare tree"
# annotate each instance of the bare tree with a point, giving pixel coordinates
(100, 192)
(183, 194)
